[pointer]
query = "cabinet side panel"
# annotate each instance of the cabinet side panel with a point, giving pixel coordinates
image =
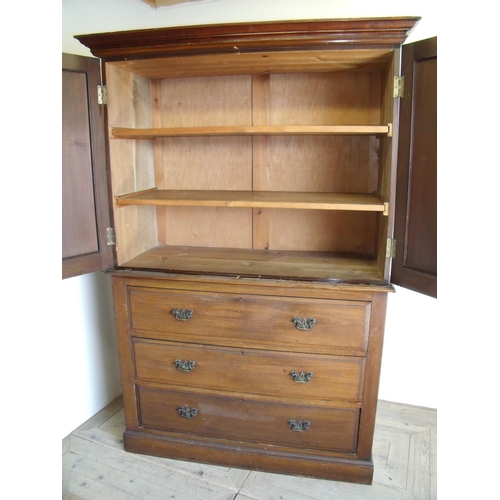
(372, 375)
(131, 162)
(135, 228)
(388, 163)
(125, 352)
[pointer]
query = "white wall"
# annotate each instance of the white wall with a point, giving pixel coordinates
(409, 369)
(88, 349)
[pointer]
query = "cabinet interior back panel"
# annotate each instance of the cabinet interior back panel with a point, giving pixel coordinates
(206, 163)
(337, 164)
(345, 164)
(322, 231)
(339, 98)
(207, 101)
(208, 227)
(340, 164)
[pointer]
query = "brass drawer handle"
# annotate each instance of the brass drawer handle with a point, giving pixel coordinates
(185, 366)
(186, 412)
(299, 425)
(303, 324)
(182, 314)
(301, 377)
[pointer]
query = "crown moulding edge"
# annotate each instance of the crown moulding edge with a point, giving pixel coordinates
(249, 37)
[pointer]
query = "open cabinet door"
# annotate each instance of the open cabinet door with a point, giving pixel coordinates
(85, 202)
(415, 262)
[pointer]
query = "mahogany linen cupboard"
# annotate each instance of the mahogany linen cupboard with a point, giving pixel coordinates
(252, 171)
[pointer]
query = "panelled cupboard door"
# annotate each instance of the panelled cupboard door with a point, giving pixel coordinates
(415, 231)
(85, 201)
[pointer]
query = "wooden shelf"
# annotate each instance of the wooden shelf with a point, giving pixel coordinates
(322, 266)
(158, 133)
(256, 199)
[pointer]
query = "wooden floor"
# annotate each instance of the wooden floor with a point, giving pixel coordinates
(95, 466)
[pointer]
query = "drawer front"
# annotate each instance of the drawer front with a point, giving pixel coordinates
(249, 420)
(250, 370)
(295, 323)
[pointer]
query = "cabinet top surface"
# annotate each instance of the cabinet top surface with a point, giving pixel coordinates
(273, 36)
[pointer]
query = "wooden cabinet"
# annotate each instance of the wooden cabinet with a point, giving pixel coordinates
(278, 375)
(253, 171)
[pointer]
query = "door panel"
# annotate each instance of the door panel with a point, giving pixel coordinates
(85, 206)
(415, 264)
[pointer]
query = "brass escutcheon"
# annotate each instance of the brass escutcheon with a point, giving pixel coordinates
(299, 425)
(182, 314)
(303, 324)
(186, 412)
(301, 377)
(185, 366)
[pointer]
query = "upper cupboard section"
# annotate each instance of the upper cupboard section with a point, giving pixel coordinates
(258, 137)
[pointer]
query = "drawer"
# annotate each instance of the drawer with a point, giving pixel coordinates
(298, 324)
(291, 425)
(250, 370)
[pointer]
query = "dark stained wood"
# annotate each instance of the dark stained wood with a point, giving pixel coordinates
(248, 37)
(78, 212)
(315, 266)
(415, 265)
(372, 375)
(281, 460)
(81, 264)
(227, 404)
(249, 420)
(241, 319)
(127, 368)
(258, 286)
(250, 370)
(85, 196)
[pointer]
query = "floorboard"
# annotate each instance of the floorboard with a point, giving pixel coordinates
(95, 466)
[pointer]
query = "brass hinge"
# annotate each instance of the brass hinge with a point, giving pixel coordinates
(102, 95)
(399, 86)
(110, 236)
(390, 250)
